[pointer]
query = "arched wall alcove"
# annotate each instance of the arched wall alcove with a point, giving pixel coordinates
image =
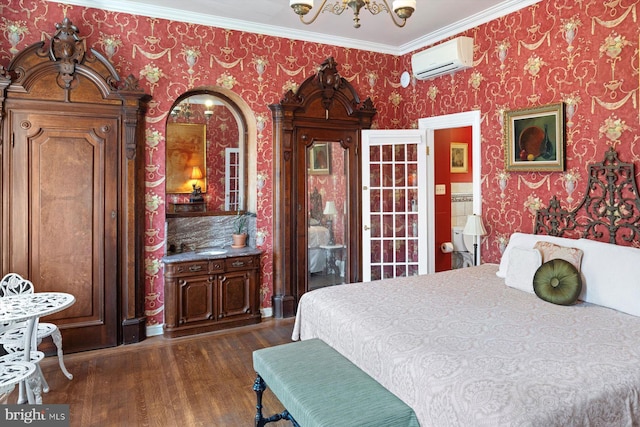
(251, 136)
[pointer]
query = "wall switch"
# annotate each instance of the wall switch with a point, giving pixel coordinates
(441, 189)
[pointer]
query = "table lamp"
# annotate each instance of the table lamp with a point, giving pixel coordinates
(196, 194)
(475, 228)
(330, 211)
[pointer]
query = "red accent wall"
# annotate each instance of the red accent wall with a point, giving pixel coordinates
(583, 53)
(442, 176)
(442, 173)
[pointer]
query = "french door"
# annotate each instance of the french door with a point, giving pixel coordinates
(394, 203)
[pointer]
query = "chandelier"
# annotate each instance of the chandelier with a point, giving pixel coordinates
(402, 8)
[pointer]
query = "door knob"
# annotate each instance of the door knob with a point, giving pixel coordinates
(367, 228)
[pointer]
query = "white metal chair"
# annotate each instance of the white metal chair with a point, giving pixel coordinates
(15, 370)
(12, 373)
(13, 340)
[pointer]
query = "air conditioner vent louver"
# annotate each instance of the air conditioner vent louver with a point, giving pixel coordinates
(445, 58)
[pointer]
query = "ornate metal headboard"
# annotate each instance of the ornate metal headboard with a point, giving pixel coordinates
(610, 207)
(316, 209)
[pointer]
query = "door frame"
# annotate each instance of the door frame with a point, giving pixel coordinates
(447, 121)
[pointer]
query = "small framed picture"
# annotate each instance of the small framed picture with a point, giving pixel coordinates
(319, 159)
(534, 139)
(459, 157)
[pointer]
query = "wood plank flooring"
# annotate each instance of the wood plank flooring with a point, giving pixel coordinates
(204, 380)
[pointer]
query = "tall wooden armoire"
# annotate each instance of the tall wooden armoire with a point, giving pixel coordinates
(72, 184)
(326, 108)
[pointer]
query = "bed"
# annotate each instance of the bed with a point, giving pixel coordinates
(463, 348)
(317, 234)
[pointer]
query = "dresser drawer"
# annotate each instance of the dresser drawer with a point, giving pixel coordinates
(182, 268)
(216, 265)
(241, 263)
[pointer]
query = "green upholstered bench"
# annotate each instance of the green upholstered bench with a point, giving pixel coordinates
(320, 387)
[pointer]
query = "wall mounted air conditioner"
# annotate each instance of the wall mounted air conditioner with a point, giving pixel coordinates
(445, 58)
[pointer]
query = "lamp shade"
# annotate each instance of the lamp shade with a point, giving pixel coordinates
(474, 226)
(308, 3)
(330, 208)
(196, 173)
(399, 4)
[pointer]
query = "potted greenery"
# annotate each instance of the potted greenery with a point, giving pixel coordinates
(239, 231)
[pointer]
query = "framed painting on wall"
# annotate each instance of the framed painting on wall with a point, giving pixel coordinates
(186, 148)
(459, 157)
(319, 159)
(534, 139)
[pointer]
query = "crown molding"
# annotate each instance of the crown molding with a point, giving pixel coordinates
(502, 9)
(498, 11)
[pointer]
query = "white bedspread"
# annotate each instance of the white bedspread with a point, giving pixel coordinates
(317, 235)
(463, 349)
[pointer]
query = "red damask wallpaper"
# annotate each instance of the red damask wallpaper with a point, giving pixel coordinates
(581, 52)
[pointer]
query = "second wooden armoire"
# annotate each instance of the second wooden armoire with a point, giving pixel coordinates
(326, 108)
(72, 184)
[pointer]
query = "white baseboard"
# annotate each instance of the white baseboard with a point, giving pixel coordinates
(154, 330)
(267, 312)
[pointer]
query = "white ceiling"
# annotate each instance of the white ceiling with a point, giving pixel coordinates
(433, 20)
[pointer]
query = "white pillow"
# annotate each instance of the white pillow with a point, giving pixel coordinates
(523, 264)
(611, 276)
(528, 241)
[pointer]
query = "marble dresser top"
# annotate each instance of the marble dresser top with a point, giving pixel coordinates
(200, 254)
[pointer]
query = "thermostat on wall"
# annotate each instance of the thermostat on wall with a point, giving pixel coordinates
(405, 79)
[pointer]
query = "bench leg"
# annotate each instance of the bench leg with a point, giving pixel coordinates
(259, 386)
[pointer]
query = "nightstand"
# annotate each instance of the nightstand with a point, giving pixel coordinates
(333, 253)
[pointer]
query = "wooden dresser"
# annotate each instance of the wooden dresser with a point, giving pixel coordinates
(206, 293)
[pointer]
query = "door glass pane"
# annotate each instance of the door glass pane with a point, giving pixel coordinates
(387, 175)
(374, 205)
(387, 153)
(374, 175)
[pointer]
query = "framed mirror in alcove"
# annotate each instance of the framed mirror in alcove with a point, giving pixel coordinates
(206, 154)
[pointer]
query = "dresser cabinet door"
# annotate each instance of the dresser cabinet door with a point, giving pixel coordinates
(235, 293)
(196, 299)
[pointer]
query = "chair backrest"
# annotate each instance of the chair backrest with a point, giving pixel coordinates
(14, 284)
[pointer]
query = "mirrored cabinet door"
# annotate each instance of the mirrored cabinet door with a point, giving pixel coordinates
(327, 221)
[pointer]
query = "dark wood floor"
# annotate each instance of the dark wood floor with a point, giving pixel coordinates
(191, 381)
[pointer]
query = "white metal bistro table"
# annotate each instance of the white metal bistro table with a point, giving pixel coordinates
(30, 308)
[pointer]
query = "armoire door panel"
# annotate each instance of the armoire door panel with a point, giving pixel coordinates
(72, 233)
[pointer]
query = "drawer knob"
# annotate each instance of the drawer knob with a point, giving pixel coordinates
(238, 263)
(195, 268)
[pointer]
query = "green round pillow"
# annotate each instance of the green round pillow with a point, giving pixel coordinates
(557, 281)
